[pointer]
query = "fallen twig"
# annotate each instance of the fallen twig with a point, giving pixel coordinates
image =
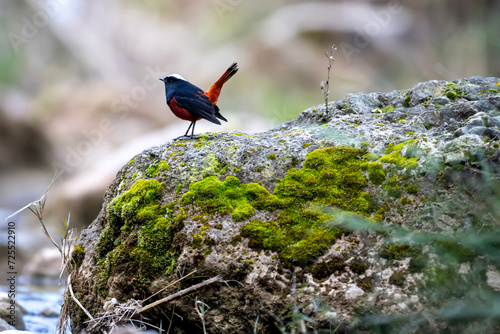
(180, 293)
(168, 286)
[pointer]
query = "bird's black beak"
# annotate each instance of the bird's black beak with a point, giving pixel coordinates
(161, 79)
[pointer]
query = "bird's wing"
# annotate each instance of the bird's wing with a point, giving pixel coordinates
(196, 103)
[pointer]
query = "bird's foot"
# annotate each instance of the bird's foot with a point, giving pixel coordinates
(184, 137)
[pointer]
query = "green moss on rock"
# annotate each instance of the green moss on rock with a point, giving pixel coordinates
(152, 171)
(455, 251)
(376, 173)
(411, 189)
(163, 166)
(398, 251)
(398, 160)
(393, 155)
(451, 95)
(229, 197)
(301, 233)
(407, 100)
(77, 256)
(211, 165)
(387, 109)
(398, 278)
(397, 148)
(331, 177)
(371, 157)
(200, 144)
(223, 170)
(156, 169)
(418, 262)
(306, 145)
(197, 240)
(358, 266)
(137, 239)
(271, 156)
(405, 201)
(393, 189)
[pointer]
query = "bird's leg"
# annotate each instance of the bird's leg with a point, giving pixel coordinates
(186, 136)
(192, 131)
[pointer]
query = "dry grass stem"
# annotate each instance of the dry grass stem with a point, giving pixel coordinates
(200, 309)
(69, 239)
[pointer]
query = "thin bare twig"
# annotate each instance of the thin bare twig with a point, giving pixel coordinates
(325, 85)
(180, 293)
(76, 300)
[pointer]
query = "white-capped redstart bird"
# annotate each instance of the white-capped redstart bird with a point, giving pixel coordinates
(190, 103)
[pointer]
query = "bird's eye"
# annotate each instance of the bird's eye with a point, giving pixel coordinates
(170, 79)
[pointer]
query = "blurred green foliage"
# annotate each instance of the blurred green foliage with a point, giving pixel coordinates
(455, 265)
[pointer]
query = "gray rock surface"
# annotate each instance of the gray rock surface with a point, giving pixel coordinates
(4, 326)
(8, 315)
(363, 216)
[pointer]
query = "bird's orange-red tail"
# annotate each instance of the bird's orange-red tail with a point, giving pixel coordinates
(214, 91)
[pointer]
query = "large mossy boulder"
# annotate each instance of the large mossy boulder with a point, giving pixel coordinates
(377, 214)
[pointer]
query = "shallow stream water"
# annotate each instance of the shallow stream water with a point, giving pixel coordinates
(37, 301)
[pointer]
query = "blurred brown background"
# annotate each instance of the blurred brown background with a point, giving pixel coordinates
(79, 86)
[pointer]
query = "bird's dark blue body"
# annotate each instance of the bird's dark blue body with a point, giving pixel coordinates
(188, 102)
(191, 103)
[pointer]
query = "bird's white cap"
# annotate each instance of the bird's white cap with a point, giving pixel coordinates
(178, 76)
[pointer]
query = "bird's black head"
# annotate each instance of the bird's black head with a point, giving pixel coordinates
(172, 84)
